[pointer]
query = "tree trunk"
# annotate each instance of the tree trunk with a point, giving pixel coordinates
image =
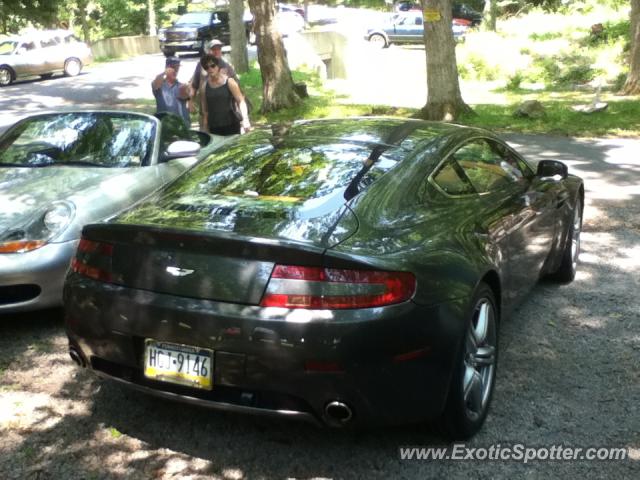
(239, 57)
(151, 15)
(632, 85)
(277, 84)
(444, 100)
(82, 14)
(3, 15)
(489, 15)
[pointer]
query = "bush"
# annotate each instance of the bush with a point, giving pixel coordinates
(565, 69)
(514, 81)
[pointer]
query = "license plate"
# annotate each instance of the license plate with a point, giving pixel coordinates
(181, 364)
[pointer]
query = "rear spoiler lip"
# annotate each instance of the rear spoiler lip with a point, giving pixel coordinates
(197, 241)
(282, 251)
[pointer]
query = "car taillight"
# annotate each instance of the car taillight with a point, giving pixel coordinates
(293, 286)
(93, 260)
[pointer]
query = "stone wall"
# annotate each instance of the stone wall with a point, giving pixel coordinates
(125, 46)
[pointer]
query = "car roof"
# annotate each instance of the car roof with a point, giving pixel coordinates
(35, 34)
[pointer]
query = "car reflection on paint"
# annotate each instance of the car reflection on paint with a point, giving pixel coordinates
(350, 271)
(59, 171)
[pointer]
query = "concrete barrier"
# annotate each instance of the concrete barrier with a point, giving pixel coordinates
(125, 46)
(328, 52)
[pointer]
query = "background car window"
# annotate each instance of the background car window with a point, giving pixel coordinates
(50, 42)
(7, 47)
(448, 179)
(484, 166)
(28, 46)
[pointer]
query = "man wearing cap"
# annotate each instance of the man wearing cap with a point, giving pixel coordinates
(171, 95)
(215, 49)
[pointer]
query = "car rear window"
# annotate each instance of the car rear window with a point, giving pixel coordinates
(289, 172)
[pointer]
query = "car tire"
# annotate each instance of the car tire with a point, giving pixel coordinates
(378, 40)
(566, 272)
(72, 67)
(6, 76)
(473, 379)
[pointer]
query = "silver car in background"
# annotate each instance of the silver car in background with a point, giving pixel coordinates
(60, 171)
(42, 53)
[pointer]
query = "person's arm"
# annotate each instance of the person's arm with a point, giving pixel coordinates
(157, 82)
(204, 111)
(194, 84)
(231, 73)
(239, 98)
(183, 91)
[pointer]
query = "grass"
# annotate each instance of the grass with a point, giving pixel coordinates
(554, 51)
(620, 119)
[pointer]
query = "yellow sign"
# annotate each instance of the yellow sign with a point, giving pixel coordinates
(432, 15)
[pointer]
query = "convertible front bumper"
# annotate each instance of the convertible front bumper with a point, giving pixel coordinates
(34, 280)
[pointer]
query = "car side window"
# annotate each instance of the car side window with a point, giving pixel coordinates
(451, 181)
(485, 167)
(27, 46)
(418, 21)
(50, 42)
(524, 171)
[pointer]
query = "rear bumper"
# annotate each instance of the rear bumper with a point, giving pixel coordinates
(389, 365)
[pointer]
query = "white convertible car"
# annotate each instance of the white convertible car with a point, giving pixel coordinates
(60, 171)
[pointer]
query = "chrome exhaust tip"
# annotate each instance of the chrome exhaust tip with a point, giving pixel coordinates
(76, 357)
(338, 413)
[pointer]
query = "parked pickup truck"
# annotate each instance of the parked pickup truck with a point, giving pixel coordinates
(192, 31)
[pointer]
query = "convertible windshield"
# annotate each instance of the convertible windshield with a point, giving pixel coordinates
(7, 47)
(99, 139)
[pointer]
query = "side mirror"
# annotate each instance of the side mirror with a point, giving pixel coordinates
(182, 148)
(552, 170)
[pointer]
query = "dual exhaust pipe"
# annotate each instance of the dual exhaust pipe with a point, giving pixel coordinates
(77, 357)
(338, 414)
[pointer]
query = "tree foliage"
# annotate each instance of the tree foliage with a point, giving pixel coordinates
(15, 14)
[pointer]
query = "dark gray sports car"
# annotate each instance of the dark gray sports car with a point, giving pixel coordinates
(344, 271)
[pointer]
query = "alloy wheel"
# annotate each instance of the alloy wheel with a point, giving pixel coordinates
(479, 359)
(378, 40)
(575, 236)
(72, 67)
(5, 77)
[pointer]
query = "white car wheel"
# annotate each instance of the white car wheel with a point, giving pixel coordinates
(72, 67)
(6, 77)
(378, 40)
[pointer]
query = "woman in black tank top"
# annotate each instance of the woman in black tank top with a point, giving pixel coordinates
(217, 97)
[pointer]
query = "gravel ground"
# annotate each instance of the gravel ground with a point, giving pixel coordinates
(568, 375)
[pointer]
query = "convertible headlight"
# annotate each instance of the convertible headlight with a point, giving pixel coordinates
(39, 230)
